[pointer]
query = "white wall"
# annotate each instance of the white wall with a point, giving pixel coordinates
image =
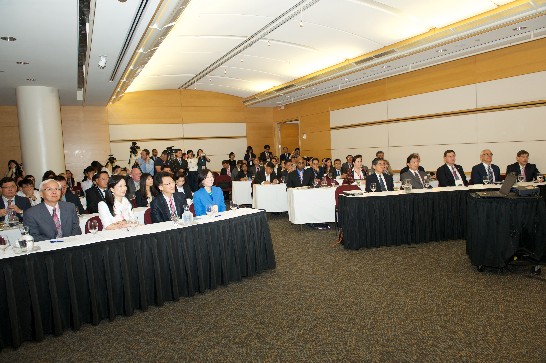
(504, 132)
(216, 139)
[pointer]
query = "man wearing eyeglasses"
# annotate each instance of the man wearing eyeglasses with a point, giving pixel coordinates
(10, 203)
(486, 170)
(170, 203)
(52, 219)
(523, 167)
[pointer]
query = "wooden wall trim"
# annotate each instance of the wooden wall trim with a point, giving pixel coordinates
(515, 106)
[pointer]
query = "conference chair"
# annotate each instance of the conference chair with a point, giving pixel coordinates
(339, 190)
(95, 218)
(148, 216)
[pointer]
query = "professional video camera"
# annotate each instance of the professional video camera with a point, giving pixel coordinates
(111, 160)
(171, 151)
(133, 149)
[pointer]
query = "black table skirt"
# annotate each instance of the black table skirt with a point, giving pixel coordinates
(402, 219)
(498, 228)
(50, 292)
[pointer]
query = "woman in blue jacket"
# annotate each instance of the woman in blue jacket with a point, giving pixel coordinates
(207, 194)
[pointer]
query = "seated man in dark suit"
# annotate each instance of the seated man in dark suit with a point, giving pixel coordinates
(485, 170)
(226, 168)
(414, 175)
(523, 167)
(96, 193)
(450, 174)
(170, 202)
(347, 165)
(266, 176)
(312, 174)
(68, 196)
(52, 218)
(382, 180)
(406, 168)
(243, 174)
(295, 179)
(10, 203)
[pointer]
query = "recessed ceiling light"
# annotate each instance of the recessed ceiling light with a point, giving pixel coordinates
(518, 28)
(9, 39)
(441, 50)
(346, 79)
(22, 62)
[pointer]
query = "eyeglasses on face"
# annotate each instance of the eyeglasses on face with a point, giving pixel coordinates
(49, 190)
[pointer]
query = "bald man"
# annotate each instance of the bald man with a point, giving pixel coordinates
(486, 169)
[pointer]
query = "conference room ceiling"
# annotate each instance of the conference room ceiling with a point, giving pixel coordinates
(269, 52)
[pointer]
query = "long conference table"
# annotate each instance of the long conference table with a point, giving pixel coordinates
(87, 278)
(396, 218)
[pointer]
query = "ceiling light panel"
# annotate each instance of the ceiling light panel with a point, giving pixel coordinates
(434, 13)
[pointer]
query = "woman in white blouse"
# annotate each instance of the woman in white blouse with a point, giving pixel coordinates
(116, 212)
(192, 171)
(357, 172)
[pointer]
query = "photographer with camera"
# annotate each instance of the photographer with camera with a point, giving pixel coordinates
(160, 161)
(145, 162)
(133, 153)
(15, 170)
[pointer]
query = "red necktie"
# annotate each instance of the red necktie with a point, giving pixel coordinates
(171, 207)
(455, 174)
(57, 222)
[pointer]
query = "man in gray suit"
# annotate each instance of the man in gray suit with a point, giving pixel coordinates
(52, 218)
(416, 176)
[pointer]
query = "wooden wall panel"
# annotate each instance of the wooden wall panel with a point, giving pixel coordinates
(317, 129)
(289, 136)
(86, 137)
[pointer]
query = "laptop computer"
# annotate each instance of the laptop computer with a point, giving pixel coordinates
(504, 190)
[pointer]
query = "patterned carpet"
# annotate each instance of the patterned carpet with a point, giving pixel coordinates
(420, 303)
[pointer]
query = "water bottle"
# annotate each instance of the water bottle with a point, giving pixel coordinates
(187, 216)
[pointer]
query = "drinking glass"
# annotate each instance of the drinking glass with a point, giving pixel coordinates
(22, 244)
(233, 205)
(93, 227)
(540, 178)
(323, 182)
(486, 180)
(214, 210)
(282, 179)
(1, 226)
(426, 181)
(23, 229)
(520, 178)
(373, 187)
(209, 210)
(133, 223)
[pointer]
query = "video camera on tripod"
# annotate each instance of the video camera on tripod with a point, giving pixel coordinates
(171, 152)
(133, 152)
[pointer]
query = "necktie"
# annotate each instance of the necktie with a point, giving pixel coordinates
(338, 172)
(455, 174)
(57, 222)
(171, 207)
(489, 174)
(418, 177)
(523, 173)
(257, 168)
(9, 202)
(382, 183)
(300, 173)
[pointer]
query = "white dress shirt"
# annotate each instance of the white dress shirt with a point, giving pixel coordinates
(86, 184)
(122, 211)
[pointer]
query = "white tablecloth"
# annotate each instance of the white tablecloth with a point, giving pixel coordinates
(270, 197)
(314, 205)
(122, 233)
(241, 192)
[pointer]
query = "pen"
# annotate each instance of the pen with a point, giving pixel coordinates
(56, 240)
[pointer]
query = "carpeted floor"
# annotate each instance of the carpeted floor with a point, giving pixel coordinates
(421, 303)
